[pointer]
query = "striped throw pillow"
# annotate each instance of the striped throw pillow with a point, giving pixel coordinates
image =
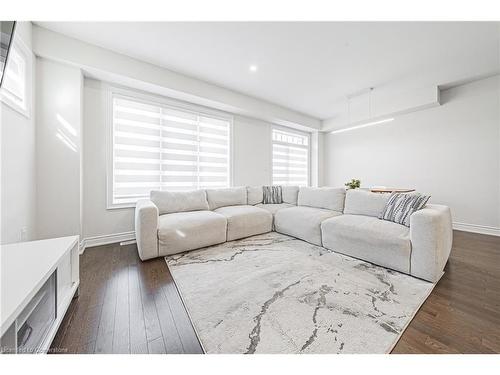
(400, 206)
(272, 195)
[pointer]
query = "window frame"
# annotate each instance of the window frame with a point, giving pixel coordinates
(112, 91)
(293, 131)
(25, 53)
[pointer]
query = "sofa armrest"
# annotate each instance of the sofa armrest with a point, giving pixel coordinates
(431, 236)
(146, 229)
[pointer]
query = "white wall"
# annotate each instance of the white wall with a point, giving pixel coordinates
(451, 152)
(58, 125)
(97, 220)
(251, 164)
(17, 133)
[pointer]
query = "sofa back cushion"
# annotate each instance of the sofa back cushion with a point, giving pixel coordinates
(254, 195)
(226, 197)
(179, 201)
(290, 194)
(362, 202)
(324, 197)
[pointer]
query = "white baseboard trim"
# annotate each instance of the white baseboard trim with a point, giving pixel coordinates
(106, 239)
(474, 228)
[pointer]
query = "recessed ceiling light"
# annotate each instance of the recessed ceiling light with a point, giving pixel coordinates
(253, 68)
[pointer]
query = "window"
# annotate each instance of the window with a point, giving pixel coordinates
(290, 157)
(159, 147)
(14, 91)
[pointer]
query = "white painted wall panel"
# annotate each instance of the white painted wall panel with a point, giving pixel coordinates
(58, 148)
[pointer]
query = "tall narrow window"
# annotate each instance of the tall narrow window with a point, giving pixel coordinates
(158, 147)
(290, 158)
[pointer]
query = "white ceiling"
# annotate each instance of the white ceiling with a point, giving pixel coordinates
(305, 66)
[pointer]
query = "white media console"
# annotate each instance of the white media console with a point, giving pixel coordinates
(38, 281)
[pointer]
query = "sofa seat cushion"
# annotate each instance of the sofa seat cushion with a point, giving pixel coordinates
(302, 222)
(245, 221)
(273, 208)
(183, 231)
(368, 238)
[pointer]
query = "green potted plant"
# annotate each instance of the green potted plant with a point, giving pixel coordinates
(353, 184)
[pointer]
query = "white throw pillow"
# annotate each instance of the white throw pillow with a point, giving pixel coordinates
(179, 201)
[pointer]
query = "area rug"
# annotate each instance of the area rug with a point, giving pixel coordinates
(276, 294)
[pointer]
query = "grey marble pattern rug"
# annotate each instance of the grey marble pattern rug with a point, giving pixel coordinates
(276, 294)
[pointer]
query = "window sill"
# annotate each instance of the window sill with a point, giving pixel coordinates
(120, 206)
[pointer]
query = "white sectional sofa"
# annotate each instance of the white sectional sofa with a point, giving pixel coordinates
(345, 222)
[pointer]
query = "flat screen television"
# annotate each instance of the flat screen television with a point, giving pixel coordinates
(6, 38)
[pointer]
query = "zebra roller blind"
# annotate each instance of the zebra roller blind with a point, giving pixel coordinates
(156, 147)
(290, 158)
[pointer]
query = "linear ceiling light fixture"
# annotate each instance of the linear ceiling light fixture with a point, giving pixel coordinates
(364, 124)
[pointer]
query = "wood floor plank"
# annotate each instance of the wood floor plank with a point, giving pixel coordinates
(173, 344)
(126, 305)
(147, 287)
(121, 331)
(138, 339)
(77, 324)
(58, 344)
(102, 270)
(95, 288)
(104, 340)
(90, 326)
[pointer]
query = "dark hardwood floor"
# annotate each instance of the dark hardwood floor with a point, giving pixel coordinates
(125, 306)
(129, 306)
